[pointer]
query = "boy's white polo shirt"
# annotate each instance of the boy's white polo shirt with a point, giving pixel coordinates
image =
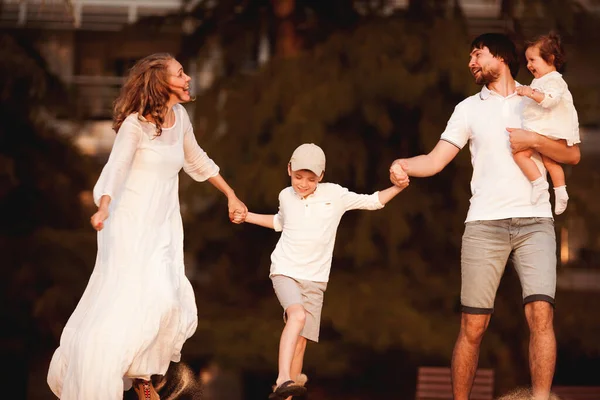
(498, 186)
(308, 228)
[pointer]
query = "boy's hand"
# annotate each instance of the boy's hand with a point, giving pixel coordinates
(237, 210)
(238, 217)
(397, 174)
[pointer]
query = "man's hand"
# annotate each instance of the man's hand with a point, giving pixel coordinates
(521, 139)
(398, 175)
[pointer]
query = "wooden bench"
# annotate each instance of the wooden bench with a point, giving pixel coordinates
(435, 383)
(577, 392)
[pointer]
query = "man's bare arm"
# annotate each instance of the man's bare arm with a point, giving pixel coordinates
(429, 164)
(558, 150)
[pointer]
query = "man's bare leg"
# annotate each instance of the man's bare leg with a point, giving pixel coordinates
(542, 347)
(466, 353)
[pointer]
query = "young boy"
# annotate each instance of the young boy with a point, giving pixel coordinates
(308, 217)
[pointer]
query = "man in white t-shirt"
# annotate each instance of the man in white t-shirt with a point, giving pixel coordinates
(501, 221)
(309, 215)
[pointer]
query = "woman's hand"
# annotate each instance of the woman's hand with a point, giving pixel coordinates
(237, 210)
(97, 220)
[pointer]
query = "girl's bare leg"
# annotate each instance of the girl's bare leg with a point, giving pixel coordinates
(532, 172)
(557, 174)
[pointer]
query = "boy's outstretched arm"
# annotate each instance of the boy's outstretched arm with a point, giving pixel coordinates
(266, 220)
(387, 194)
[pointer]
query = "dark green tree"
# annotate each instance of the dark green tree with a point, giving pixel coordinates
(378, 90)
(42, 177)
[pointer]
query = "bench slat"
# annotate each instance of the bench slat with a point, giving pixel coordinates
(577, 392)
(435, 383)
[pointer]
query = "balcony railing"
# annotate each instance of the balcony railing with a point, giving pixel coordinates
(105, 15)
(95, 95)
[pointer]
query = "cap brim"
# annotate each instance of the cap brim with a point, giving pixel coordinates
(296, 166)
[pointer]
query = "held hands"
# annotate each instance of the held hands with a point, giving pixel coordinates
(521, 139)
(97, 220)
(398, 175)
(237, 210)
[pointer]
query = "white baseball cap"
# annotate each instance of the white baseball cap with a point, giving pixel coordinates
(308, 156)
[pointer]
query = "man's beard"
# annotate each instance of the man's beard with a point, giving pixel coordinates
(486, 77)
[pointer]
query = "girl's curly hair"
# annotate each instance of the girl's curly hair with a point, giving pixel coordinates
(551, 49)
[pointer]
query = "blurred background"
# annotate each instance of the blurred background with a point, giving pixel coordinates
(368, 80)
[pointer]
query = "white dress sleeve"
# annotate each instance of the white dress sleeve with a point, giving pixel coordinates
(119, 162)
(197, 163)
(553, 89)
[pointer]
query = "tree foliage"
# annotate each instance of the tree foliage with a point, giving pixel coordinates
(367, 95)
(42, 175)
(368, 89)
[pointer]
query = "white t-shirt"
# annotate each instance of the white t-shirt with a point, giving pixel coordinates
(308, 228)
(556, 116)
(498, 186)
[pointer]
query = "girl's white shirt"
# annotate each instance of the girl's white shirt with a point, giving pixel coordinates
(555, 117)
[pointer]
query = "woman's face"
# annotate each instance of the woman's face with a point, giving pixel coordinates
(179, 82)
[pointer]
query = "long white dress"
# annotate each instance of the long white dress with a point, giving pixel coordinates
(138, 308)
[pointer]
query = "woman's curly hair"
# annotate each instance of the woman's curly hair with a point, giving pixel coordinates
(145, 91)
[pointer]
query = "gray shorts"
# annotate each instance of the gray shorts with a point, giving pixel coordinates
(486, 246)
(291, 291)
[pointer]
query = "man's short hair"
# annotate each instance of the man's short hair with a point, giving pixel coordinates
(500, 46)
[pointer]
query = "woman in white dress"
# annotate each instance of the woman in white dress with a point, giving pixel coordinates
(138, 308)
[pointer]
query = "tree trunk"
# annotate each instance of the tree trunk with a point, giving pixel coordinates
(287, 42)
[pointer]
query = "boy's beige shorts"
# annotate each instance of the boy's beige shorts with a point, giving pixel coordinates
(309, 294)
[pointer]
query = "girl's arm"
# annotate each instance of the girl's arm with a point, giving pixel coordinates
(547, 96)
(266, 220)
(533, 94)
